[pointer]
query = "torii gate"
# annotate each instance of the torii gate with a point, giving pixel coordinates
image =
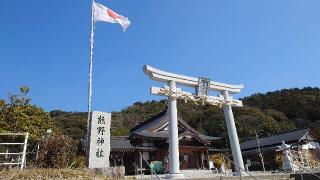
(202, 86)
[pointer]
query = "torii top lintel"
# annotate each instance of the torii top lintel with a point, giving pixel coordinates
(158, 75)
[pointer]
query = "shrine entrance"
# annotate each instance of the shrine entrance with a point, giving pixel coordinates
(202, 87)
(193, 157)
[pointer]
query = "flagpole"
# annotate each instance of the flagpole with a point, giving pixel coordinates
(90, 71)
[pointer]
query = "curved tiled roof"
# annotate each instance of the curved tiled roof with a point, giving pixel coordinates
(294, 136)
(153, 128)
(121, 143)
(153, 123)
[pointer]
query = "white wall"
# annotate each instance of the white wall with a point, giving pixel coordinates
(312, 144)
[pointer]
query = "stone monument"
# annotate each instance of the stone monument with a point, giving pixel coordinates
(98, 150)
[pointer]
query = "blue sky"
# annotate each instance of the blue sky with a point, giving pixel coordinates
(265, 45)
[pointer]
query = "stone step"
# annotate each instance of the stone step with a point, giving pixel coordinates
(259, 177)
(263, 177)
(206, 175)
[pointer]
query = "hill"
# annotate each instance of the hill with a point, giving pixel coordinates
(268, 114)
(301, 106)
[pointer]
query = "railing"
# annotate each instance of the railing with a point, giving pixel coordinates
(22, 163)
(306, 169)
(151, 170)
(236, 165)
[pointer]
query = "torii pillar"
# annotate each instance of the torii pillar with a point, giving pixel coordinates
(232, 133)
(174, 163)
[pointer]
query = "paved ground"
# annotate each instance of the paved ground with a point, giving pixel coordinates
(206, 174)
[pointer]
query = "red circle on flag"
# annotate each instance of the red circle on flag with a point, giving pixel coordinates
(112, 14)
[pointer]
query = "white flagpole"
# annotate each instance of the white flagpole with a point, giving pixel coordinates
(90, 69)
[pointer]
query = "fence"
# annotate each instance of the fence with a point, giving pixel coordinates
(152, 172)
(21, 156)
(241, 169)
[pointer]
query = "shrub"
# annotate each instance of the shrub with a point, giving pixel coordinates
(218, 163)
(279, 161)
(49, 174)
(54, 151)
(79, 162)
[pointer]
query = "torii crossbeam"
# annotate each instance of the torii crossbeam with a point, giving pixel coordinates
(203, 86)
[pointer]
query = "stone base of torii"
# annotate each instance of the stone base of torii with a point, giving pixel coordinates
(202, 86)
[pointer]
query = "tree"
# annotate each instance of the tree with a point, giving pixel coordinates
(18, 115)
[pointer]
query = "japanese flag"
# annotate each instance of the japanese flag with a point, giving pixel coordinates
(102, 13)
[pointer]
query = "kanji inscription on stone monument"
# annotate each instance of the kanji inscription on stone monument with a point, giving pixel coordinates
(99, 140)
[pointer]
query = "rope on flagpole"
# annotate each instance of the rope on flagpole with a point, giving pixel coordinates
(90, 73)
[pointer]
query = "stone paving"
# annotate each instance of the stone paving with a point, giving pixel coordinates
(206, 174)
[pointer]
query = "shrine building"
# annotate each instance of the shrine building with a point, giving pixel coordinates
(150, 139)
(304, 151)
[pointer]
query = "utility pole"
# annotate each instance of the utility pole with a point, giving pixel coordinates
(260, 154)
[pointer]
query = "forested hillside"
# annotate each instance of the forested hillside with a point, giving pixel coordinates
(301, 106)
(268, 114)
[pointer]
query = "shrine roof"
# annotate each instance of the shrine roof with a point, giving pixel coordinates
(150, 124)
(209, 138)
(155, 128)
(294, 136)
(164, 135)
(160, 135)
(120, 143)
